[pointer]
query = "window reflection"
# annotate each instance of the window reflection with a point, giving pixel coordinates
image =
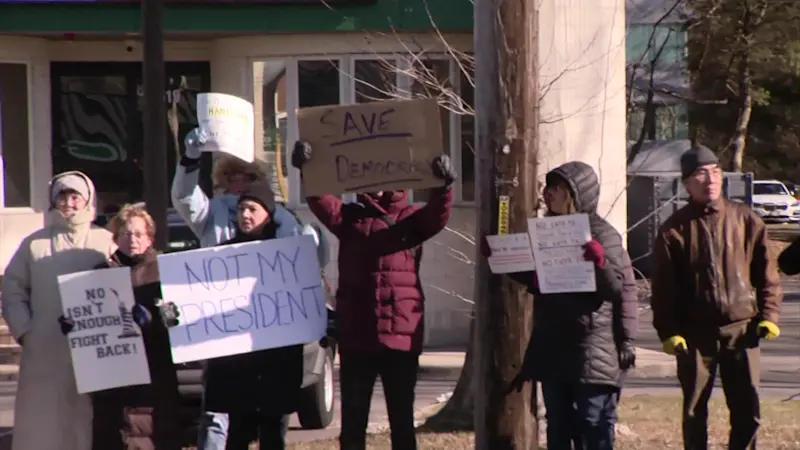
(273, 106)
(467, 175)
(318, 85)
(375, 80)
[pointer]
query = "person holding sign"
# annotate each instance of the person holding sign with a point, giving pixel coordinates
(716, 294)
(582, 343)
(140, 417)
(255, 389)
(380, 300)
(214, 221)
(48, 412)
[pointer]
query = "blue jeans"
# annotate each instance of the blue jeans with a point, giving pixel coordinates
(580, 414)
(214, 427)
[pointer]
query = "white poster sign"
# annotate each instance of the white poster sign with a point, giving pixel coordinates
(510, 253)
(244, 297)
(106, 344)
(230, 122)
(558, 250)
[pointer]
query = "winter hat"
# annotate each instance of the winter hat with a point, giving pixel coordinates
(71, 182)
(695, 158)
(260, 192)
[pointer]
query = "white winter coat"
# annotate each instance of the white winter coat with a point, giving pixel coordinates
(49, 414)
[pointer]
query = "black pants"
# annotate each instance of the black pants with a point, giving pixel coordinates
(736, 356)
(582, 415)
(244, 428)
(357, 375)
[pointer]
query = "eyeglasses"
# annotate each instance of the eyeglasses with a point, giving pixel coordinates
(137, 235)
(702, 175)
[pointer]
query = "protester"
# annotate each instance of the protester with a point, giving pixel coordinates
(582, 343)
(380, 301)
(214, 221)
(48, 411)
(140, 417)
(255, 389)
(716, 292)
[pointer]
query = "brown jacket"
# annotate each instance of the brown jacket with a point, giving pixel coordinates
(142, 417)
(712, 269)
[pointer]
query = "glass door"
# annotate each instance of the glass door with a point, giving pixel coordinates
(97, 123)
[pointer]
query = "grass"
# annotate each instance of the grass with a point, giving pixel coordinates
(647, 423)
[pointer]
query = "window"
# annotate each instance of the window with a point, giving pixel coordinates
(467, 174)
(273, 104)
(317, 85)
(429, 80)
(374, 80)
(769, 189)
(672, 36)
(671, 122)
(14, 135)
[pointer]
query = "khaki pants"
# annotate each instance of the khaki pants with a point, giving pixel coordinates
(735, 354)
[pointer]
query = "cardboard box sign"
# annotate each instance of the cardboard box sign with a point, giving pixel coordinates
(369, 147)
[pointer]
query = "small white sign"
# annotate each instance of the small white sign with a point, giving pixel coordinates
(510, 253)
(558, 250)
(230, 122)
(106, 344)
(244, 297)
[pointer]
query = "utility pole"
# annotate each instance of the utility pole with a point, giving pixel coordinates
(154, 118)
(507, 117)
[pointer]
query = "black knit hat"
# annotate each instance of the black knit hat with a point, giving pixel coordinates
(695, 158)
(260, 192)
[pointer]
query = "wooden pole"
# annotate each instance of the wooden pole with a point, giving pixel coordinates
(506, 91)
(154, 118)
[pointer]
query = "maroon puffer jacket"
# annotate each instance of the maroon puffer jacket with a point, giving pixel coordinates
(380, 302)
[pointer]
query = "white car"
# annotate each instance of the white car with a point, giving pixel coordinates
(773, 202)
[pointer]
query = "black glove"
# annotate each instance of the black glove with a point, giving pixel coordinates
(627, 355)
(169, 313)
(443, 168)
(66, 324)
(301, 154)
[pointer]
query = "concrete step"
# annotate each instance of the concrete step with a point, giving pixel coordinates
(10, 354)
(9, 372)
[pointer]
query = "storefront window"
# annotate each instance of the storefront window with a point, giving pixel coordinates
(271, 95)
(318, 85)
(14, 135)
(430, 80)
(375, 80)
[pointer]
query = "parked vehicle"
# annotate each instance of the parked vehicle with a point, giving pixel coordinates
(773, 201)
(316, 406)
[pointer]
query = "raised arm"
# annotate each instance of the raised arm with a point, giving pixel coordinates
(664, 291)
(429, 220)
(764, 275)
(188, 198)
(328, 210)
(17, 292)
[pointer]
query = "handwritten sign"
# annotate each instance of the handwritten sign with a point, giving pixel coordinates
(244, 297)
(106, 345)
(230, 122)
(510, 253)
(371, 146)
(557, 248)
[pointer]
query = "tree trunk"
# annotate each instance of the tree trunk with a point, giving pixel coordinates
(739, 139)
(458, 413)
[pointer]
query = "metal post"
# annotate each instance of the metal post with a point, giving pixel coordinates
(154, 118)
(506, 96)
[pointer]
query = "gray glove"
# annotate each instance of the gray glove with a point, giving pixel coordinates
(169, 313)
(194, 141)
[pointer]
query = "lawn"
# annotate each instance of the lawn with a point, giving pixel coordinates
(647, 423)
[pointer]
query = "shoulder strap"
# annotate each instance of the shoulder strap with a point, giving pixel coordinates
(387, 219)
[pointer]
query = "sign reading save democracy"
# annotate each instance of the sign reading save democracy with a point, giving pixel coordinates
(377, 146)
(106, 345)
(244, 297)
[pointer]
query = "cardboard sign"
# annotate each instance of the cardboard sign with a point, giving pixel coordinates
(367, 147)
(557, 243)
(230, 122)
(244, 297)
(106, 345)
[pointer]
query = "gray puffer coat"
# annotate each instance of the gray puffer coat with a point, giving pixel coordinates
(576, 336)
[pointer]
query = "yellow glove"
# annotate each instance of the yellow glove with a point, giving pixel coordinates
(674, 344)
(768, 330)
